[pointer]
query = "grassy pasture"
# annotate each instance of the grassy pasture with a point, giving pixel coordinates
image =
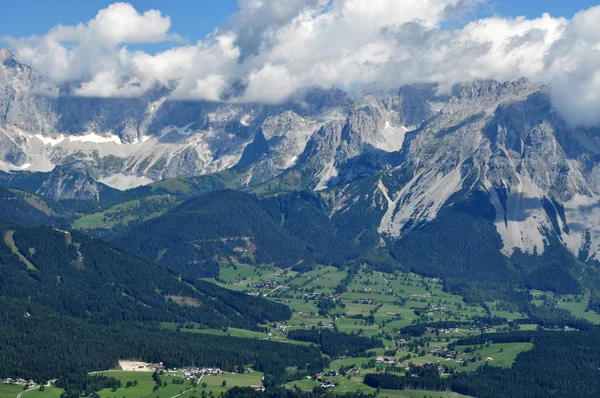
(10, 391)
(49, 392)
(418, 394)
(144, 386)
(215, 383)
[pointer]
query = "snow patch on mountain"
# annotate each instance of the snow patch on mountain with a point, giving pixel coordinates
(95, 138)
(50, 140)
(85, 138)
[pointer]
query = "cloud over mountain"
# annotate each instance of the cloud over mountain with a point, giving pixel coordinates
(272, 48)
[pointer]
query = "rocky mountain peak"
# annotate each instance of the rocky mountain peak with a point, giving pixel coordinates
(7, 55)
(485, 94)
(11, 67)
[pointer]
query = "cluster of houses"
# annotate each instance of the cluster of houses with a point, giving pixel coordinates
(281, 327)
(439, 310)
(319, 296)
(428, 294)
(325, 383)
(194, 373)
(386, 360)
(444, 352)
(268, 284)
(19, 382)
(266, 287)
(444, 331)
(400, 343)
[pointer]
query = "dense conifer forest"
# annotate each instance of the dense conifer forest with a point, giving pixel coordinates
(41, 344)
(336, 344)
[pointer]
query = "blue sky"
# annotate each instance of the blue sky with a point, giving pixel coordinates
(194, 19)
(190, 18)
(534, 8)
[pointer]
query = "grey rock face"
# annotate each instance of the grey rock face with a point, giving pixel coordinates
(505, 138)
(73, 182)
(154, 138)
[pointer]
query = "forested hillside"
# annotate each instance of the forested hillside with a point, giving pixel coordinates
(29, 209)
(235, 227)
(82, 277)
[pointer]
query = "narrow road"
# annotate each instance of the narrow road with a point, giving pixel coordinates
(383, 277)
(272, 291)
(191, 389)
(29, 389)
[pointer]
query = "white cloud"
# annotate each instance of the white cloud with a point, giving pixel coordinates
(272, 84)
(276, 47)
(573, 69)
(90, 52)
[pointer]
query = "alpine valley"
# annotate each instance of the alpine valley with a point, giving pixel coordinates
(399, 239)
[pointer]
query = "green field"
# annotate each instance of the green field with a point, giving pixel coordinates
(348, 326)
(579, 308)
(214, 383)
(92, 221)
(49, 392)
(344, 385)
(10, 391)
(528, 327)
(504, 359)
(124, 213)
(304, 385)
(231, 274)
(230, 332)
(144, 387)
(418, 394)
(357, 361)
(302, 305)
(354, 384)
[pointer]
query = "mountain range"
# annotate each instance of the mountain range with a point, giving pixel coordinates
(488, 170)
